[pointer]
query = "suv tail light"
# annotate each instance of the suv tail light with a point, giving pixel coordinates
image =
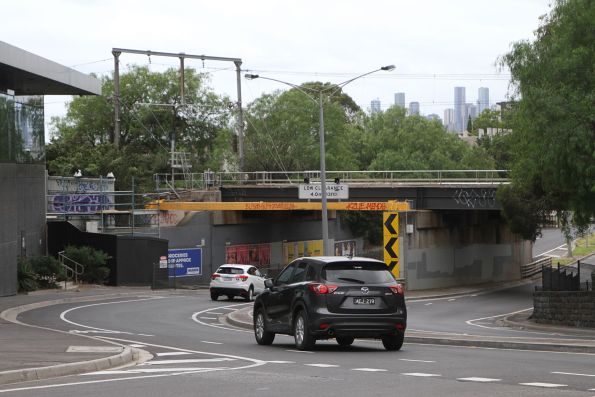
(397, 289)
(322, 289)
(243, 277)
(215, 276)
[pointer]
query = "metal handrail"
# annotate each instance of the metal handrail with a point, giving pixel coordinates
(533, 268)
(78, 269)
(211, 179)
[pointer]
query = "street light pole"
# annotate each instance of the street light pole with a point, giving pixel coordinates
(325, 239)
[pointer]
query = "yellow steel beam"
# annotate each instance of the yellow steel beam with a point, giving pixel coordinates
(278, 206)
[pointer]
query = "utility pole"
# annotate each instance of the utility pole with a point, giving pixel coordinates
(116, 97)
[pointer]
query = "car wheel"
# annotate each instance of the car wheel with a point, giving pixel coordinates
(345, 340)
(393, 342)
(229, 297)
(250, 296)
(263, 337)
(214, 296)
(301, 333)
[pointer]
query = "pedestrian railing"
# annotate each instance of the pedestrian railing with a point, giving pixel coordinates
(535, 267)
(73, 271)
(210, 179)
(563, 279)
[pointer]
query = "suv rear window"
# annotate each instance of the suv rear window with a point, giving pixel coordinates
(357, 273)
(230, 270)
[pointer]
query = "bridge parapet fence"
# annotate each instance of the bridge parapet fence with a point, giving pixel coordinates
(562, 279)
(211, 179)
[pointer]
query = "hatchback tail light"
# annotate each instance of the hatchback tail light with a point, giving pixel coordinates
(215, 276)
(398, 289)
(243, 277)
(322, 289)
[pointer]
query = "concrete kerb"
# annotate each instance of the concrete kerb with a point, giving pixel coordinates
(126, 357)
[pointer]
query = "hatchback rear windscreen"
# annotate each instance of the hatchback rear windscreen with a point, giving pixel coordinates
(230, 270)
(357, 273)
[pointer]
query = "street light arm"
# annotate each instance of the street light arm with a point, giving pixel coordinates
(343, 84)
(255, 76)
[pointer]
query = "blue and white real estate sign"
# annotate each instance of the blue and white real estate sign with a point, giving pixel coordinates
(184, 262)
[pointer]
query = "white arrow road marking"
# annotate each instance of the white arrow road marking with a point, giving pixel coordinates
(322, 365)
(229, 307)
(299, 351)
(369, 369)
(538, 384)
(474, 379)
(187, 361)
(571, 373)
(417, 361)
(171, 354)
(280, 362)
(212, 343)
(420, 374)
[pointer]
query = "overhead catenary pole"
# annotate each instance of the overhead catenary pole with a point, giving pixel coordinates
(237, 61)
(116, 97)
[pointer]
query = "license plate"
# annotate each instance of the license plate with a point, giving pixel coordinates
(364, 301)
(226, 278)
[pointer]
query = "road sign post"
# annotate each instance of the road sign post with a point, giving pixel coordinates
(390, 228)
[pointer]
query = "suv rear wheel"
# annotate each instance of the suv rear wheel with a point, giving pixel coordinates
(301, 333)
(393, 342)
(214, 296)
(263, 337)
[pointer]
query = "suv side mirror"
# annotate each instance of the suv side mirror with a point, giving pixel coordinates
(268, 283)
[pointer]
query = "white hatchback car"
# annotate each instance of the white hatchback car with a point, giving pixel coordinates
(236, 280)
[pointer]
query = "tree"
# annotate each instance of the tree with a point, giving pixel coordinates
(554, 121)
(151, 112)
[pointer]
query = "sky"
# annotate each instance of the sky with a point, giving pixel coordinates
(435, 45)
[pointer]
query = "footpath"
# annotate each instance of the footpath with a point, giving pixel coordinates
(33, 352)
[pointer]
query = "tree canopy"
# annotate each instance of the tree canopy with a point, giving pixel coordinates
(554, 120)
(151, 111)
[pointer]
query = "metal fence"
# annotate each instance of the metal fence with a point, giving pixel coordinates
(211, 179)
(563, 279)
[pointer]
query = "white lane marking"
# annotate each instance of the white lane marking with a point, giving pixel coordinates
(299, 351)
(163, 354)
(280, 362)
(145, 335)
(539, 384)
(64, 313)
(229, 307)
(575, 374)
(209, 318)
(187, 361)
(369, 369)
(137, 345)
(474, 379)
(148, 371)
(428, 304)
(420, 374)
(212, 343)
(472, 322)
(416, 361)
(322, 365)
(452, 300)
(563, 246)
(216, 313)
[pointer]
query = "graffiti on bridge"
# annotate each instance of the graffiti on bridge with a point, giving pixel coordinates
(475, 198)
(81, 203)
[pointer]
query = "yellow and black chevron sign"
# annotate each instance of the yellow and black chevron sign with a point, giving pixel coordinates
(390, 221)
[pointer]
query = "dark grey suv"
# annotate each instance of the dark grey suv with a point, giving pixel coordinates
(332, 297)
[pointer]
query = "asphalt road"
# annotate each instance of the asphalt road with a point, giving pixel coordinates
(195, 354)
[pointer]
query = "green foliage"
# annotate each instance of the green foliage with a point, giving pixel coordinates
(93, 260)
(554, 123)
(366, 224)
(48, 270)
(84, 138)
(27, 279)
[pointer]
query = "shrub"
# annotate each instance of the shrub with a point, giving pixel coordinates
(48, 270)
(26, 277)
(93, 260)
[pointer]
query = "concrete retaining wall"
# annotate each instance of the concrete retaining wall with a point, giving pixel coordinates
(573, 308)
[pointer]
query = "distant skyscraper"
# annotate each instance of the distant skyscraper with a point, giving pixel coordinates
(375, 106)
(449, 119)
(460, 109)
(400, 99)
(483, 99)
(471, 110)
(434, 116)
(414, 108)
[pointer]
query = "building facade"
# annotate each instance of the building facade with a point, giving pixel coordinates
(483, 99)
(460, 109)
(400, 99)
(414, 108)
(375, 106)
